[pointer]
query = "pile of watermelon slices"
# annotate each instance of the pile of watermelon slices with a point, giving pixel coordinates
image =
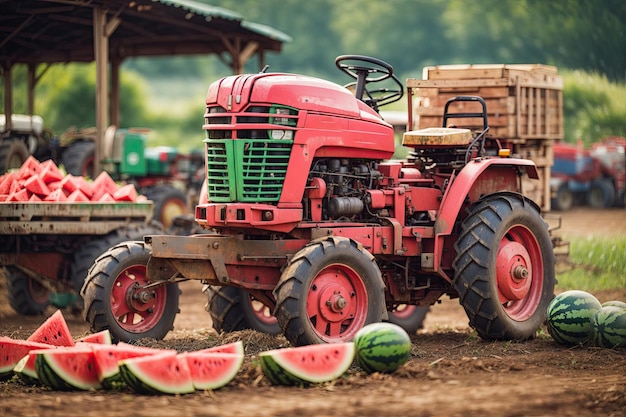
(44, 182)
(51, 357)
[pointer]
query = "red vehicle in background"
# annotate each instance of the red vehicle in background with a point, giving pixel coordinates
(595, 177)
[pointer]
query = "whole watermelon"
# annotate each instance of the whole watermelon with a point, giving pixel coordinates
(614, 303)
(382, 347)
(569, 317)
(609, 327)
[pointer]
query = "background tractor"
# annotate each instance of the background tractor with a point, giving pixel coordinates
(162, 174)
(310, 217)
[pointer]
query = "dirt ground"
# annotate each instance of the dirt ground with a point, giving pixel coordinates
(451, 371)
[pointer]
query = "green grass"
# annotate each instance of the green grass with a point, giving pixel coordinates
(597, 264)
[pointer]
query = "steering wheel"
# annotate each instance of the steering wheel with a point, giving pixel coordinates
(365, 70)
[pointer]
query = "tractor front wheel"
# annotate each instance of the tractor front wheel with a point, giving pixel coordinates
(504, 268)
(119, 296)
(331, 288)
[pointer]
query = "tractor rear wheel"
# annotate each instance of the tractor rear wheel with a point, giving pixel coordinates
(504, 268)
(564, 198)
(331, 288)
(118, 296)
(409, 317)
(26, 295)
(78, 158)
(233, 309)
(169, 203)
(13, 153)
(601, 194)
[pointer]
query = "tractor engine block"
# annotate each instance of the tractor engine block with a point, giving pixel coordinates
(342, 185)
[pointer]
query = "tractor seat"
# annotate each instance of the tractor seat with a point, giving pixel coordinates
(437, 136)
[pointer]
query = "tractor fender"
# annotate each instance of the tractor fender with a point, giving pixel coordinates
(459, 188)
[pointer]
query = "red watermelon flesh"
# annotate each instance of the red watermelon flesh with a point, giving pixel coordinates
(53, 331)
(163, 373)
(50, 172)
(234, 347)
(67, 368)
(56, 195)
(36, 185)
(77, 196)
(307, 364)
(12, 350)
(34, 199)
(19, 195)
(126, 193)
(103, 338)
(69, 183)
(212, 370)
(6, 181)
(103, 184)
(107, 358)
(29, 167)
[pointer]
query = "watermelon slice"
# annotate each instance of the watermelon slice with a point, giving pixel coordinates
(234, 347)
(7, 180)
(107, 358)
(103, 184)
(67, 368)
(50, 172)
(25, 370)
(29, 168)
(36, 185)
(56, 195)
(77, 196)
(103, 338)
(307, 365)
(126, 193)
(164, 373)
(12, 350)
(53, 331)
(212, 370)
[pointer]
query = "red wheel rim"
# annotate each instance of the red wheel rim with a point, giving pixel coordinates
(137, 309)
(337, 303)
(38, 293)
(519, 273)
(404, 311)
(262, 312)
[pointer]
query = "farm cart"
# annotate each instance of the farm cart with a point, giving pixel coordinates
(47, 248)
(313, 221)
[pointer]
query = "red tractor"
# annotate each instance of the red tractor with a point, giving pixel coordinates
(309, 217)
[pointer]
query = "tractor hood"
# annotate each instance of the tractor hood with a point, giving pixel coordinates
(234, 93)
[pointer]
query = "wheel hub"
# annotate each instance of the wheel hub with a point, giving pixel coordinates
(513, 271)
(140, 299)
(333, 305)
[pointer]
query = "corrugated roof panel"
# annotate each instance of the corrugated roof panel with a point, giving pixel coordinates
(203, 9)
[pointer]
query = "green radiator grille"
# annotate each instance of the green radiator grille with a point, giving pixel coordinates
(246, 170)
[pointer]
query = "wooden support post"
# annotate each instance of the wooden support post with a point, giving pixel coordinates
(8, 97)
(101, 48)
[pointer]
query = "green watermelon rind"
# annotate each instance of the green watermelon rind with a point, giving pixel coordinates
(141, 383)
(110, 377)
(27, 376)
(210, 382)
(279, 371)
(569, 317)
(50, 373)
(609, 327)
(382, 347)
(12, 351)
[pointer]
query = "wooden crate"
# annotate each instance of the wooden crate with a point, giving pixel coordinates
(523, 101)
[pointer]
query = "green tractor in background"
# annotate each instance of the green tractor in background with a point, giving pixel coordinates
(171, 179)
